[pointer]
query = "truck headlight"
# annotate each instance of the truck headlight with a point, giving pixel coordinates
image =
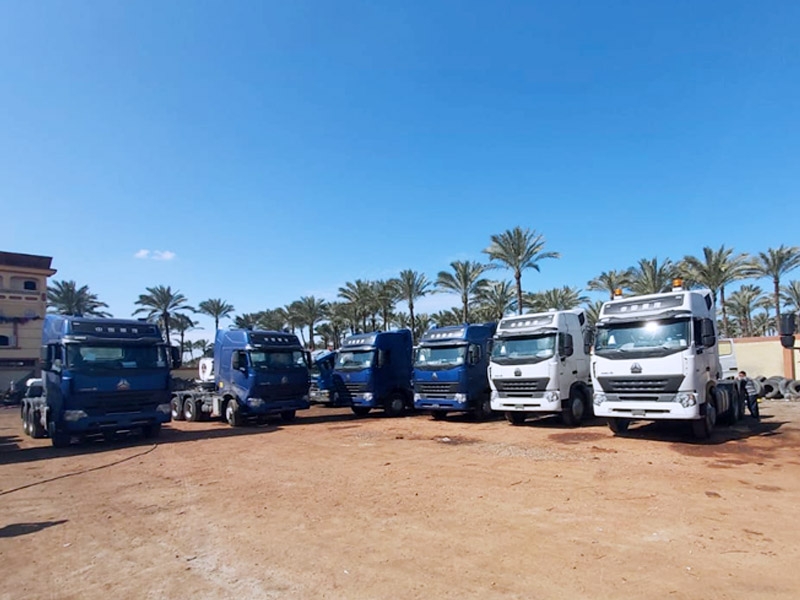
(495, 395)
(460, 397)
(599, 398)
(164, 408)
(417, 397)
(255, 402)
(551, 396)
(367, 396)
(686, 399)
(305, 398)
(74, 415)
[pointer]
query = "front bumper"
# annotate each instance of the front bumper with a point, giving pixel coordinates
(448, 404)
(654, 410)
(71, 422)
(543, 402)
(273, 407)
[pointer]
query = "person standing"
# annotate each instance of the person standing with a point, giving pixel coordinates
(748, 386)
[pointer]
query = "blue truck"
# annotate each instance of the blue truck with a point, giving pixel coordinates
(255, 375)
(323, 388)
(100, 376)
(450, 371)
(374, 370)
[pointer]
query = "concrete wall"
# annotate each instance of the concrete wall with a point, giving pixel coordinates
(765, 356)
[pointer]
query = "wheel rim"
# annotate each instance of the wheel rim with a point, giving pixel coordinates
(229, 413)
(397, 405)
(175, 409)
(188, 411)
(577, 409)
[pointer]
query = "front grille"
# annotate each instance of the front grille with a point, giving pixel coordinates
(122, 402)
(278, 393)
(518, 387)
(436, 390)
(668, 384)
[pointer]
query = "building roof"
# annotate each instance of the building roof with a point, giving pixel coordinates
(26, 261)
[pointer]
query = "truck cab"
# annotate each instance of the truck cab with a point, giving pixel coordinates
(374, 370)
(540, 365)
(323, 389)
(102, 376)
(450, 370)
(656, 358)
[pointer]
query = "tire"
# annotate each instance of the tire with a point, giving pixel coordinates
(26, 421)
(37, 429)
(176, 409)
(360, 411)
(191, 411)
(575, 410)
(516, 418)
(438, 415)
(618, 425)
(702, 427)
(772, 389)
(395, 406)
(484, 410)
(151, 431)
(786, 388)
(289, 415)
(59, 439)
(759, 388)
(233, 416)
(794, 388)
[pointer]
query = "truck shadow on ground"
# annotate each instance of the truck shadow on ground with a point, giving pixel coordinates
(17, 529)
(672, 432)
(11, 452)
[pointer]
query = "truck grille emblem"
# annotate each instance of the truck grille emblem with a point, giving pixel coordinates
(517, 373)
(123, 384)
(636, 368)
(434, 376)
(284, 380)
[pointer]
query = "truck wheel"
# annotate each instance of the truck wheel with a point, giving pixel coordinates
(289, 415)
(484, 410)
(618, 425)
(151, 431)
(37, 429)
(395, 405)
(59, 439)
(190, 410)
(176, 409)
(438, 415)
(232, 414)
(572, 413)
(702, 427)
(515, 418)
(26, 421)
(360, 411)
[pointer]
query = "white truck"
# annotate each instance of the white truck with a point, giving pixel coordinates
(656, 358)
(540, 364)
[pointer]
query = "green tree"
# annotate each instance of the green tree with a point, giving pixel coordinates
(359, 295)
(519, 249)
(385, 295)
(775, 263)
(465, 280)
(559, 298)
(411, 286)
(790, 294)
(610, 282)
(447, 318)
(66, 298)
(215, 308)
(495, 300)
(249, 321)
(592, 310)
(272, 319)
(181, 323)
(648, 277)
(161, 302)
(311, 310)
(741, 305)
(715, 270)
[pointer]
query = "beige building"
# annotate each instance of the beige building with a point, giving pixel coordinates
(764, 356)
(23, 302)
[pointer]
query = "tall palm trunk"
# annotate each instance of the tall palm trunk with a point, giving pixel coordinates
(165, 319)
(724, 312)
(413, 326)
(465, 313)
(518, 278)
(777, 284)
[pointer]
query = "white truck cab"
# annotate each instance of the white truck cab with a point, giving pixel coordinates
(656, 358)
(540, 364)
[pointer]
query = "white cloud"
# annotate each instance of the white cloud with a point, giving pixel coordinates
(155, 254)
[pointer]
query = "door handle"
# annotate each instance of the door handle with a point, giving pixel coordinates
(575, 372)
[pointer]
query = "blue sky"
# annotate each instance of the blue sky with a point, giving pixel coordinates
(264, 151)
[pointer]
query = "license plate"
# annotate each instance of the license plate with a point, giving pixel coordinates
(519, 406)
(434, 406)
(638, 413)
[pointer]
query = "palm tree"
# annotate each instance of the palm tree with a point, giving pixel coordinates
(328, 334)
(519, 249)
(495, 300)
(359, 295)
(465, 280)
(161, 302)
(311, 310)
(742, 303)
(204, 346)
(410, 286)
(563, 298)
(66, 298)
(294, 318)
(181, 324)
(272, 319)
(216, 309)
(247, 321)
(761, 324)
(715, 270)
(648, 277)
(790, 294)
(610, 282)
(775, 263)
(385, 294)
(422, 325)
(446, 318)
(592, 310)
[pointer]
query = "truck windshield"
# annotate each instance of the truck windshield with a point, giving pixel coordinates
(100, 357)
(642, 339)
(438, 357)
(528, 349)
(277, 359)
(355, 360)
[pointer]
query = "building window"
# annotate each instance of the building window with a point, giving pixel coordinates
(30, 285)
(5, 340)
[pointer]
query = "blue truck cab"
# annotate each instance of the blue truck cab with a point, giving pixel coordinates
(256, 374)
(101, 376)
(374, 370)
(450, 370)
(323, 390)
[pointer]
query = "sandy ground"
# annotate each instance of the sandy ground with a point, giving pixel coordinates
(331, 506)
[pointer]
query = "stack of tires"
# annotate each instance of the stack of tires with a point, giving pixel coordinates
(777, 387)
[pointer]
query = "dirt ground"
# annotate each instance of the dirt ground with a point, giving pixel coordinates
(331, 506)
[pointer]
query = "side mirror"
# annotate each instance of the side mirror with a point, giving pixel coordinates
(787, 329)
(707, 334)
(380, 359)
(46, 363)
(175, 355)
(565, 345)
(307, 356)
